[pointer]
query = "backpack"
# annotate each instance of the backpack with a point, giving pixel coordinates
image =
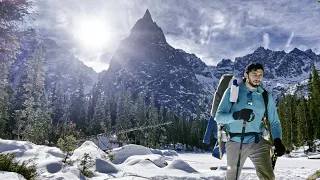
(222, 136)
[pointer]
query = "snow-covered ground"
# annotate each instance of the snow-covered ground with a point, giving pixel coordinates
(138, 162)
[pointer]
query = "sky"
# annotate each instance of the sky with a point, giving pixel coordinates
(212, 30)
(140, 163)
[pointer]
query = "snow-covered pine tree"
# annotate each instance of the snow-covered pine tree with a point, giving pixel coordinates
(11, 16)
(107, 124)
(129, 117)
(120, 122)
(141, 116)
(35, 119)
(95, 94)
(153, 119)
(182, 129)
(77, 110)
(98, 122)
(195, 131)
(58, 102)
(163, 131)
(173, 129)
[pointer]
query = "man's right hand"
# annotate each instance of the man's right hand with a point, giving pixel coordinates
(243, 114)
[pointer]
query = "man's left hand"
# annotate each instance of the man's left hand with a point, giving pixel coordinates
(279, 147)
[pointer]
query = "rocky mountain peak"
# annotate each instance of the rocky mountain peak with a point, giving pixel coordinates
(260, 49)
(297, 51)
(147, 16)
(145, 63)
(146, 29)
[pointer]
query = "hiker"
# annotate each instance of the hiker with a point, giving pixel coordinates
(243, 121)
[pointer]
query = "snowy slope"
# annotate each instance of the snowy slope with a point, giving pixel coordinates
(138, 162)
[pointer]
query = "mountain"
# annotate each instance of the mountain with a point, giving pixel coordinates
(145, 62)
(60, 64)
(281, 70)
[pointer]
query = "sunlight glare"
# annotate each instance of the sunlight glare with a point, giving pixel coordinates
(92, 33)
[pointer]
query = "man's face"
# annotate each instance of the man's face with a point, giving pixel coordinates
(254, 78)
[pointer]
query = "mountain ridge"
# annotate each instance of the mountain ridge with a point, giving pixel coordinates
(147, 63)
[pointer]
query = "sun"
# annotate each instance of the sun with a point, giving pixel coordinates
(91, 33)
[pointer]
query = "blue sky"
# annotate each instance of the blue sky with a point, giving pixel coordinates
(211, 29)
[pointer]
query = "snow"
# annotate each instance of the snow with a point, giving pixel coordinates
(104, 143)
(138, 162)
(122, 153)
(316, 156)
(11, 176)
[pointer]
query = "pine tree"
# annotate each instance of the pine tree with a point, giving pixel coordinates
(302, 121)
(77, 106)
(316, 102)
(284, 119)
(163, 132)
(182, 129)
(96, 92)
(195, 132)
(129, 117)
(11, 16)
(154, 120)
(173, 129)
(294, 123)
(311, 112)
(141, 116)
(120, 122)
(98, 122)
(58, 103)
(35, 118)
(288, 116)
(106, 122)
(141, 113)
(112, 107)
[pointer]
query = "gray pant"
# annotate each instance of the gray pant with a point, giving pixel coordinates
(259, 154)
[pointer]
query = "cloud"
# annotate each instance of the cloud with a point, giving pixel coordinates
(266, 40)
(212, 31)
(288, 44)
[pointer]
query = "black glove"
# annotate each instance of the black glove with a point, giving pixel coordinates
(279, 147)
(243, 114)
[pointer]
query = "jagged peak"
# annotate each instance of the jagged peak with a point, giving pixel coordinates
(296, 50)
(260, 49)
(146, 29)
(147, 15)
(224, 61)
(308, 51)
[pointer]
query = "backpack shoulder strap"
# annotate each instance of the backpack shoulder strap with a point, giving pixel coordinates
(265, 98)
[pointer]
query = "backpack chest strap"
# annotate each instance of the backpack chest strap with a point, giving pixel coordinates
(255, 134)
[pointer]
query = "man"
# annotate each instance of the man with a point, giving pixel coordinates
(250, 108)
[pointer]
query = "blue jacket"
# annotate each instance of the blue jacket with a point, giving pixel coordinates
(224, 115)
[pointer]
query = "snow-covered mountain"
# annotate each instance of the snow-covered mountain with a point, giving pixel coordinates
(282, 70)
(145, 62)
(61, 65)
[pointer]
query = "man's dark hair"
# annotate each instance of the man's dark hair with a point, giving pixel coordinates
(254, 67)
